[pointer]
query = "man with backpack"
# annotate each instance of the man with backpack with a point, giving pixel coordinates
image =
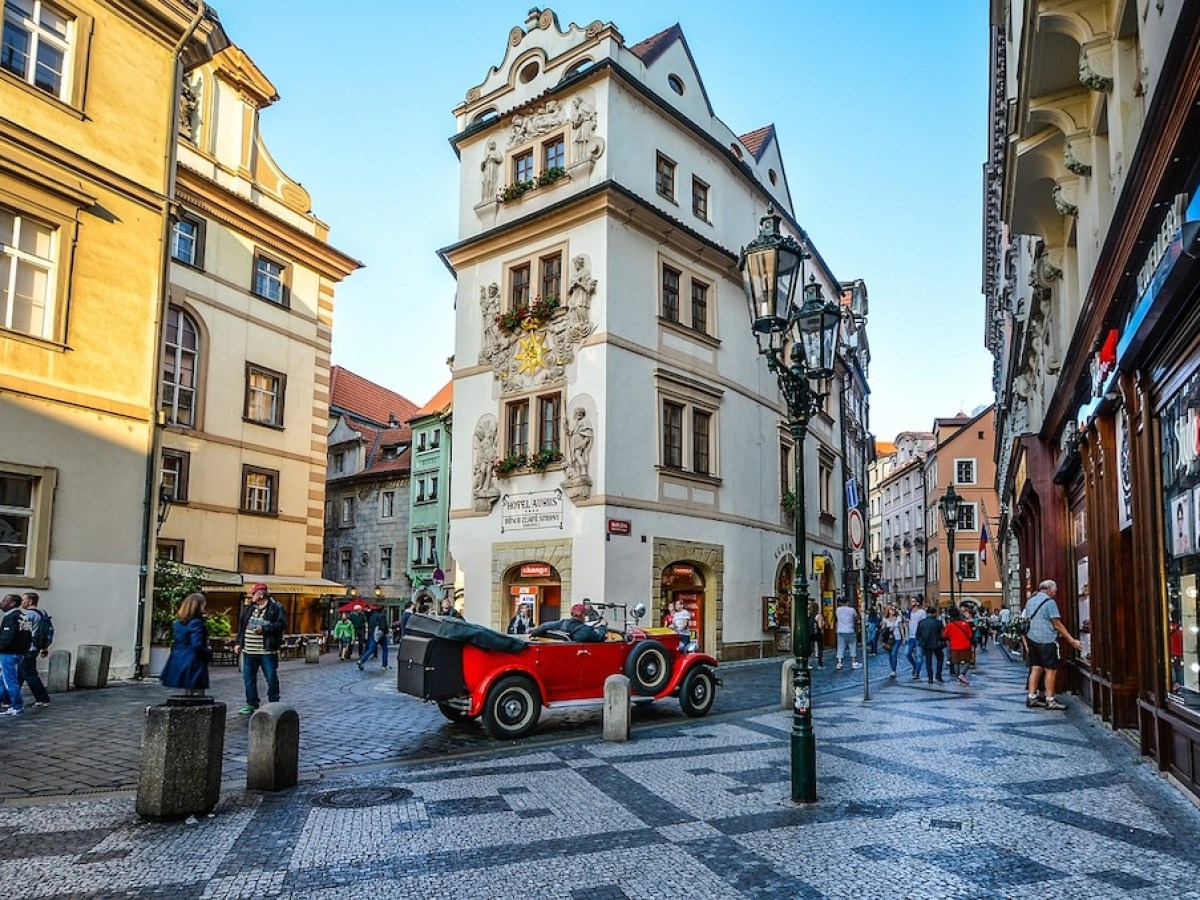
(16, 638)
(42, 627)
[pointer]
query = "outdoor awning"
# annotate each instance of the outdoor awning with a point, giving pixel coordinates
(278, 584)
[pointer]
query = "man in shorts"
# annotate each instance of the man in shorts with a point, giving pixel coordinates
(1041, 643)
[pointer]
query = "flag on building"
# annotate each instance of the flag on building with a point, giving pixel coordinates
(983, 544)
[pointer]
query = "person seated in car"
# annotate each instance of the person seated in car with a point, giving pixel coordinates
(575, 628)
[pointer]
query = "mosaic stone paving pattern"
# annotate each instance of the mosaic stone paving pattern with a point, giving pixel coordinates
(925, 791)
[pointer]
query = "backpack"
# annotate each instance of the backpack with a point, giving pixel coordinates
(43, 631)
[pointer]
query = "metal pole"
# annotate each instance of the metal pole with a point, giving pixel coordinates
(862, 621)
(950, 564)
(804, 749)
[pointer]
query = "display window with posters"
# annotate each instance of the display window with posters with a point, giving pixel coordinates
(1179, 436)
(534, 593)
(683, 600)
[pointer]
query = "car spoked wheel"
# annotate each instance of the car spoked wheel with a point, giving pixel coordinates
(512, 708)
(698, 692)
(648, 667)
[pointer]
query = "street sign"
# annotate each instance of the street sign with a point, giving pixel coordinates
(858, 559)
(858, 531)
(851, 493)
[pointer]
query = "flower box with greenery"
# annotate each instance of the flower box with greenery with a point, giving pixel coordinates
(519, 189)
(550, 176)
(535, 314)
(509, 464)
(788, 502)
(544, 458)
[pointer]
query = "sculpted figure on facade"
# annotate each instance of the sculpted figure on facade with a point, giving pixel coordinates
(586, 145)
(483, 458)
(1028, 389)
(580, 437)
(1050, 352)
(493, 159)
(541, 120)
(489, 303)
(189, 107)
(579, 299)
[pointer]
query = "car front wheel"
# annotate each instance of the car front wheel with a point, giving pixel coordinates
(648, 668)
(512, 708)
(698, 691)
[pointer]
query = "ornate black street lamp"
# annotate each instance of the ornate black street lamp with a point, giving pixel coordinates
(949, 504)
(799, 344)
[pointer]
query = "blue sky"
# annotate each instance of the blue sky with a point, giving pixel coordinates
(881, 114)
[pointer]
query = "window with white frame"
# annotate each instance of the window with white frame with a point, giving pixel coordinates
(967, 563)
(968, 518)
(964, 471)
(28, 270)
(436, 440)
(785, 469)
(187, 240)
(433, 487)
(264, 396)
(346, 512)
(825, 491)
(173, 476)
(387, 504)
(259, 490)
(270, 279)
(385, 563)
(36, 46)
(181, 352)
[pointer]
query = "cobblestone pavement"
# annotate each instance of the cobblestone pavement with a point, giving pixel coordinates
(927, 791)
(347, 718)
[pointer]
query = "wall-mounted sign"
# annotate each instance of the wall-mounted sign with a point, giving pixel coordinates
(620, 526)
(536, 509)
(535, 570)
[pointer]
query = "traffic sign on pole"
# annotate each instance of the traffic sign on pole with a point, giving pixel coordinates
(857, 529)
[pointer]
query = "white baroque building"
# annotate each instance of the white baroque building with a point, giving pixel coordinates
(618, 436)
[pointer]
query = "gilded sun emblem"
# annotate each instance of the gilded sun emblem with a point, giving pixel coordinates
(532, 353)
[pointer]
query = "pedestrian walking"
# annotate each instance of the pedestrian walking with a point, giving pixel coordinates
(847, 631)
(816, 633)
(959, 634)
(187, 666)
(343, 633)
(409, 609)
(358, 619)
(16, 637)
(43, 635)
(1041, 643)
(931, 642)
(892, 630)
(873, 620)
(260, 633)
(915, 657)
(377, 639)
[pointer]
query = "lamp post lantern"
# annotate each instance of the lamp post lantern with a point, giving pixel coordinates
(949, 504)
(799, 344)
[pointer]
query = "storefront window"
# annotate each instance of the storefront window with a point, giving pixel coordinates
(1179, 433)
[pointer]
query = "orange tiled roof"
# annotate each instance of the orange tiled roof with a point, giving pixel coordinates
(884, 448)
(755, 140)
(652, 47)
(438, 401)
(362, 398)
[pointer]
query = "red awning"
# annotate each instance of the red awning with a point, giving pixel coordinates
(352, 605)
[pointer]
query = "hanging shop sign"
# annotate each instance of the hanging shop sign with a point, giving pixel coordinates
(535, 570)
(536, 509)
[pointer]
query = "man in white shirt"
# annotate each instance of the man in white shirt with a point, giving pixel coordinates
(916, 613)
(847, 622)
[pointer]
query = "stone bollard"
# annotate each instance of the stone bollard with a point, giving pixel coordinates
(785, 682)
(180, 774)
(91, 666)
(273, 760)
(58, 681)
(312, 652)
(618, 709)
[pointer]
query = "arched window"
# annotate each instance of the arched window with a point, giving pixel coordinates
(181, 349)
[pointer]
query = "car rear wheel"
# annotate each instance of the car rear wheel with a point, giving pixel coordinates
(512, 708)
(648, 668)
(698, 691)
(454, 713)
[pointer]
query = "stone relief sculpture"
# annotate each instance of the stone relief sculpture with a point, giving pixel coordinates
(542, 120)
(493, 159)
(483, 459)
(579, 299)
(1090, 78)
(1028, 390)
(1074, 162)
(580, 437)
(1061, 196)
(1050, 352)
(586, 145)
(489, 303)
(189, 107)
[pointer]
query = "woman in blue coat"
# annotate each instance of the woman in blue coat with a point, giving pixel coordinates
(187, 666)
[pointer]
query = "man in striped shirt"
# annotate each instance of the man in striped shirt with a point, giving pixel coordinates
(260, 632)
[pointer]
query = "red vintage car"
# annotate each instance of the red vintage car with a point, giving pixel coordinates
(471, 671)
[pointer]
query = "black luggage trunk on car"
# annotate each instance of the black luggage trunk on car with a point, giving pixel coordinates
(429, 667)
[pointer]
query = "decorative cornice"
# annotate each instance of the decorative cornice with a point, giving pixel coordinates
(1073, 162)
(1090, 78)
(1061, 203)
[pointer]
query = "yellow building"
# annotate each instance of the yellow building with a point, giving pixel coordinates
(83, 219)
(246, 354)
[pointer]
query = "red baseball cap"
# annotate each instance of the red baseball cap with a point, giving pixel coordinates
(578, 610)
(259, 587)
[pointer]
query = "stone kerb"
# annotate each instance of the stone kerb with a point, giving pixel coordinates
(58, 680)
(180, 772)
(91, 666)
(618, 709)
